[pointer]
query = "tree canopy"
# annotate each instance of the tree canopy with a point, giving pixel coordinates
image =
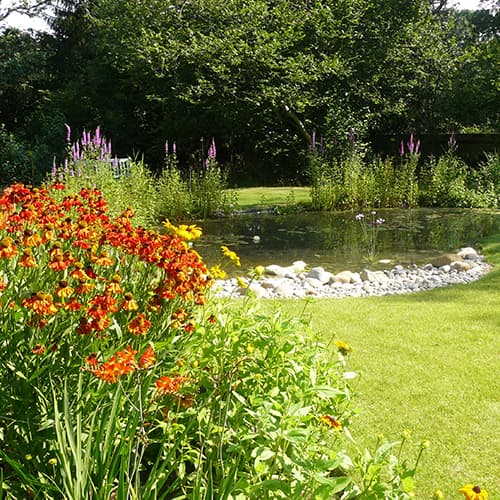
(262, 76)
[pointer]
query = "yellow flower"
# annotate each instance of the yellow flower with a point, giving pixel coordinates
(53, 461)
(438, 495)
(331, 422)
(343, 347)
(188, 233)
(242, 282)
(472, 492)
(218, 273)
(259, 270)
(232, 256)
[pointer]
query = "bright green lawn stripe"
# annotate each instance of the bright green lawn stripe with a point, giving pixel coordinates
(429, 362)
(272, 196)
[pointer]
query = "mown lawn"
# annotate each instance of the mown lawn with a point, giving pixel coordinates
(272, 196)
(429, 363)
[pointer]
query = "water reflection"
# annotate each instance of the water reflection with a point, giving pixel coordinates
(335, 241)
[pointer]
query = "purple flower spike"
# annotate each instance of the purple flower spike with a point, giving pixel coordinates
(417, 147)
(54, 167)
(174, 147)
(452, 141)
(402, 148)
(411, 144)
(97, 136)
(352, 136)
(115, 162)
(212, 151)
(84, 139)
(68, 132)
(166, 148)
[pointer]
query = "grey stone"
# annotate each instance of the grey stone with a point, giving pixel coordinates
(446, 258)
(460, 266)
(320, 274)
(468, 253)
(343, 277)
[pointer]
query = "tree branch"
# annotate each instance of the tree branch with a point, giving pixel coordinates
(30, 8)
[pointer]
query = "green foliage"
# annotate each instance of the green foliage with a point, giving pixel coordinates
(129, 184)
(448, 182)
(357, 183)
(173, 200)
(14, 159)
(196, 400)
(209, 194)
(445, 182)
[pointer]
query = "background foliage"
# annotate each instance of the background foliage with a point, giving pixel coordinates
(261, 77)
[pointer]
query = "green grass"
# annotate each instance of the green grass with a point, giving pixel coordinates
(272, 196)
(428, 362)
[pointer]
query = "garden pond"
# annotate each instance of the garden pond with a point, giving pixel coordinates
(337, 241)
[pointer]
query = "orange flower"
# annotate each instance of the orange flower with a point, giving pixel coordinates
(7, 248)
(122, 363)
(60, 262)
(103, 259)
(38, 349)
(63, 291)
(100, 324)
(92, 360)
(147, 359)
(41, 303)
(31, 239)
(129, 303)
(331, 422)
(84, 288)
(73, 305)
(79, 273)
(139, 325)
(27, 259)
(189, 327)
(170, 385)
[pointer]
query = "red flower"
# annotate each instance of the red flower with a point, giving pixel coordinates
(147, 359)
(41, 303)
(139, 325)
(7, 248)
(170, 385)
(38, 349)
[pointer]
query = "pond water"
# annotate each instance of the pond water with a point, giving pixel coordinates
(336, 242)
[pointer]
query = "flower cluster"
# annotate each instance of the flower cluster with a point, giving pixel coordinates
(120, 364)
(232, 256)
(75, 261)
(411, 146)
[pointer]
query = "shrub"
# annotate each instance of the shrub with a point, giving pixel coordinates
(14, 159)
(120, 380)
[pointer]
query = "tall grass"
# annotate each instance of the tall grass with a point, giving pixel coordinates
(354, 182)
(128, 183)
